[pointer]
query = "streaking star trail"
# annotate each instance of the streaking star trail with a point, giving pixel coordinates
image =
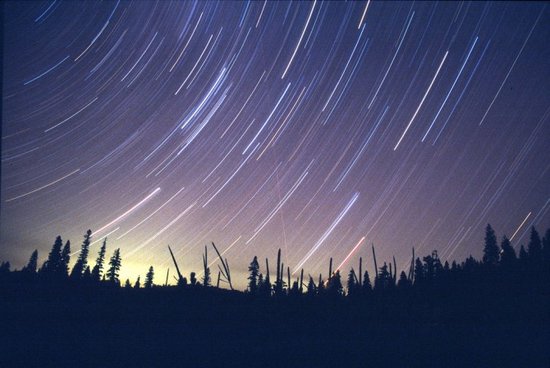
(311, 126)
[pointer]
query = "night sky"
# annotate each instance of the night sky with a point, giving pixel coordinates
(315, 127)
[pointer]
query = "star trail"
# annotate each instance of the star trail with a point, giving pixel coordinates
(316, 127)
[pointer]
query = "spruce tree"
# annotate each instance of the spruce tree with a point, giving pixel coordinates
(98, 268)
(65, 259)
(352, 284)
(149, 278)
(127, 285)
(404, 282)
(334, 286)
(114, 267)
(52, 264)
(82, 260)
(253, 269)
(507, 255)
(490, 250)
(137, 285)
(33, 263)
(367, 286)
(546, 246)
(534, 248)
(311, 289)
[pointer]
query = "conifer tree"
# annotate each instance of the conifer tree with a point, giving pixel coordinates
(352, 284)
(114, 267)
(149, 278)
(52, 264)
(98, 268)
(418, 271)
(33, 263)
(534, 248)
(490, 250)
(254, 269)
(311, 289)
(87, 274)
(334, 286)
(65, 259)
(507, 254)
(137, 284)
(546, 246)
(522, 254)
(127, 285)
(404, 282)
(82, 260)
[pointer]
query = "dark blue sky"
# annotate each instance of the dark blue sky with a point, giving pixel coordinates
(308, 126)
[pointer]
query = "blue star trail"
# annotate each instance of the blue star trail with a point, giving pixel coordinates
(316, 127)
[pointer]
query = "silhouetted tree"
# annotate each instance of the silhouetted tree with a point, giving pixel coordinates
(534, 248)
(137, 284)
(193, 278)
(419, 275)
(384, 279)
(149, 277)
(253, 269)
(352, 283)
(5, 267)
(98, 268)
(334, 286)
(311, 289)
(367, 286)
(320, 286)
(127, 284)
(114, 267)
(33, 263)
(53, 263)
(87, 274)
(507, 254)
(522, 254)
(490, 250)
(82, 260)
(546, 246)
(404, 282)
(206, 269)
(65, 259)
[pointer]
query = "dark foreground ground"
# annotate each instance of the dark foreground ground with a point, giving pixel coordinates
(170, 327)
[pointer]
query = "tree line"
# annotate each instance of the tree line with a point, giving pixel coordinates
(499, 263)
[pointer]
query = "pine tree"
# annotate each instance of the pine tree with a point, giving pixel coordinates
(522, 254)
(137, 285)
(82, 260)
(352, 284)
(98, 268)
(52, 265)
(127, 285)
(419, 277)
(507, 255)
(87, 274)
(114, 267)
(546, 246)
(311, 289)
(33, 263)
(334, 286)
(490, 250)
(254, 269)
(534, 248)
(193, 278)
(367, 286)
(65, 259)
(404, 282)
(149, 278)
